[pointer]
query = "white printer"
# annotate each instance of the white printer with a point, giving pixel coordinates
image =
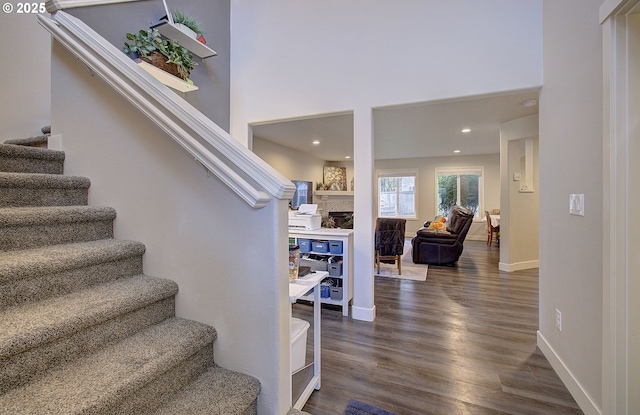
(305, 218)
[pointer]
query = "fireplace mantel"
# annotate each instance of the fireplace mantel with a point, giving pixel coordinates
(326, 194)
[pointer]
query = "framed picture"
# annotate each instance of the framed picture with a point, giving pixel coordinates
(335, 178)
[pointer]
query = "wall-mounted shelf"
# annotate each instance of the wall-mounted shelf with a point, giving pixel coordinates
(166, 78)
(173, 32)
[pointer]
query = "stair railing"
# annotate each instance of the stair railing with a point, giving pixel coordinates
(240, 169)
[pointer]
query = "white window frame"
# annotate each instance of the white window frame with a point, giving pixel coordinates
(460, 171)
(398, 173)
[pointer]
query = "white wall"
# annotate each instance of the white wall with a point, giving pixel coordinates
(293, 59)
(519, 221)
(293, 164)
(296, 165)
(571, 162)
(228, 259)
(25, 84)
(427, 186)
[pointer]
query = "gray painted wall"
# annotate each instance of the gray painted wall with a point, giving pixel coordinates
(211, 75)
(571, 162)
(25, 84)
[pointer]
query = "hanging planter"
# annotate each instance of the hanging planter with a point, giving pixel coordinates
(164, 54)
(188, 24)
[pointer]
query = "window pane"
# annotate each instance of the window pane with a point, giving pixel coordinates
(396, 196)
(388, 204)
(469, 192)
(407, 204)
(447, 193)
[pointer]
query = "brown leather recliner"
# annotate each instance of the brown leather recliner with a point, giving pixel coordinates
(431, 246)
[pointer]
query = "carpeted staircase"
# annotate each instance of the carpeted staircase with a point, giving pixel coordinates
(82, 329)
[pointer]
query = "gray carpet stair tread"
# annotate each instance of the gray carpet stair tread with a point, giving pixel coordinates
(39, 140)
(24, 151)
(29, 263)
(43, 181)
(218, 391)
(294, 411)
(94, 383)
(45, 215)
(27, 326)
(31, 156)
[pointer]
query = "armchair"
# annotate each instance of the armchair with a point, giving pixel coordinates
(433, 246)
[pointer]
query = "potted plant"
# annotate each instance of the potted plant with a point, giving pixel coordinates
(165, 54)
(187, 23)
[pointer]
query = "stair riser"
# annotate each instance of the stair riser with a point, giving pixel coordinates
(19, 369)
(17, 197)
(50, 285)
(29, 165)
(162, 387)
(23, 237)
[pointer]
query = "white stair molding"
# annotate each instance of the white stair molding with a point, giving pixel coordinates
(240, 169)
(55, 5)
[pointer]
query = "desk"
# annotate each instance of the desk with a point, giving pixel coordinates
(297, 289)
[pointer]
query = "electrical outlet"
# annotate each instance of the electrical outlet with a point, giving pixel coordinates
(558, 319)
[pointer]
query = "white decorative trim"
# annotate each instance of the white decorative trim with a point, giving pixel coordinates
(584, 401)
(239, 168)
(518, 266)
(55, 5)
(363, 314)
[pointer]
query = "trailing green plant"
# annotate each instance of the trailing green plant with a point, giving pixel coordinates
(187, 20)
(178, 55)
(145, 42)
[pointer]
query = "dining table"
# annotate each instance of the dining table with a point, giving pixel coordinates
(495, 220)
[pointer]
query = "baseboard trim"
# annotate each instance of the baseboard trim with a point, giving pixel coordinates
(581, 396)
(364, 314)
(517, 266)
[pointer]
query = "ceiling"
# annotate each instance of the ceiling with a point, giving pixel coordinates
(432, 129)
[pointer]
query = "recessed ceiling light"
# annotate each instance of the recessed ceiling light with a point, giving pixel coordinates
(316, 142)
(456, 151)
(466, 130)
(347, 157)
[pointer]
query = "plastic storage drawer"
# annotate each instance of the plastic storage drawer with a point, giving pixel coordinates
(335, 270)
(335, 247)
(305, 245)
(321, 246)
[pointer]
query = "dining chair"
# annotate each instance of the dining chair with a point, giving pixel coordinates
(491, 230)
(389, 241)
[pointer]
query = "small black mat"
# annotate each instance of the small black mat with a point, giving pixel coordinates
(360, 408)
(303, 270)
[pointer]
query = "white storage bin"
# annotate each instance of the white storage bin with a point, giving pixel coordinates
(298, 343)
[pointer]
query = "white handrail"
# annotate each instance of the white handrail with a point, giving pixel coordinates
(249, 176)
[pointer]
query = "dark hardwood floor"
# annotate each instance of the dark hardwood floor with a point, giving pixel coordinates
(461, 342)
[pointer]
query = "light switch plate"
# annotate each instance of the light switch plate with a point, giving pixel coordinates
(576, 204)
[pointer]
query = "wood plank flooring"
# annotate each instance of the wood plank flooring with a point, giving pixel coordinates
(461, 342)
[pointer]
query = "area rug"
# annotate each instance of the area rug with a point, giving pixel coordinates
(360, 408)
(410, 271)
